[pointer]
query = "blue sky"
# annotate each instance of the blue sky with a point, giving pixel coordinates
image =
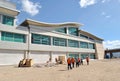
(100, 17)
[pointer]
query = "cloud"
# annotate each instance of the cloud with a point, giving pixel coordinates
(105, 15)
(111, 44)
(103, 1)
(108, 16)
(85, 3)
(30, 7)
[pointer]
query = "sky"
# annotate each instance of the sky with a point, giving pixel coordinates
(99, 17)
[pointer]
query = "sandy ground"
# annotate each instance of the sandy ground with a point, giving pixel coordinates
(102, 70)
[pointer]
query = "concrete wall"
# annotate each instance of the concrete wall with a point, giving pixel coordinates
(40, 57)
(13, 45)
(56, 54)
(10, 57)
(99, 50)
(7, 4)
(36, 47)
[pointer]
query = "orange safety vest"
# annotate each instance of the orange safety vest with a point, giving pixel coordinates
(68, 61)
(78, 59)
(87, 59)
(72, 60)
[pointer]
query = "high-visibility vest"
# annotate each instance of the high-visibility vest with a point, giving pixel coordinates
(72, 60)
(78, 59)
(87, 59)
(69, 61)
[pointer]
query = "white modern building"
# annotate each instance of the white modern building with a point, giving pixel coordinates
(41, 41)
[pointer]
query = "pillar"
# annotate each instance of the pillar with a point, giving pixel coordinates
(50, 59)
(0, 35)
(51, 41)
(24, 56)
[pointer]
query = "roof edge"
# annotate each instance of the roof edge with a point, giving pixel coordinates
(92, 35)
(44, 24)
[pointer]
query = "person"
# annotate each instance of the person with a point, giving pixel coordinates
(77, 60)
(69, 63)
(81, 61)
(87, 60)
(73, 62)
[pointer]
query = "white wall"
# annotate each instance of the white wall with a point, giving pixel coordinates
(13, 45)
(56, 54)
(39, 57)
(38, 47)
(10, 57)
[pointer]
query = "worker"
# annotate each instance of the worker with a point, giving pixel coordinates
(69, 63)
(73, 62)
(87, 60)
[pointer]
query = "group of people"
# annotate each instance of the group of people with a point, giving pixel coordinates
(78, 61)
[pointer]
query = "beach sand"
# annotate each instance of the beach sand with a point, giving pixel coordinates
(98, 70)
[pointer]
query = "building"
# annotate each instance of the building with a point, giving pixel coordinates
(112, 53)
(41, 41)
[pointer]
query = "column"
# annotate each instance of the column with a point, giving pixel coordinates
(79, 55)
(51, 41)
(0, 35)
(67, 32)
(89, 55)
(25, 55)
(0, 18)
(15, 21)
(50, 59)
(29, 43)
(79, 44)
(67, 55)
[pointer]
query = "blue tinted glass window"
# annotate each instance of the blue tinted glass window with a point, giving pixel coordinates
(13, 37)
(73, 31)
(83, 56)
(62, 30)
(73, 43)
(83, 36)
(73, 55)
(83, 45)
(91, 46)
(92, 56)
(40, 39)
(8, 20)
(59, 41)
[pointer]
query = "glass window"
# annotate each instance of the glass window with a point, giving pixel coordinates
(40, 39)
(19, 38)
(73, 31)
(8, 20)
(74, 55)
(13, 37)
(83, 56)
(91, 39)
(83, 45)
(73, 43)
(8, 36)
(92, 56)
(59, 41)
(91, 46)
(62, 30)
(83, 36)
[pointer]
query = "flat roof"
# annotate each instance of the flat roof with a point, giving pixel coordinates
(43, 24)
